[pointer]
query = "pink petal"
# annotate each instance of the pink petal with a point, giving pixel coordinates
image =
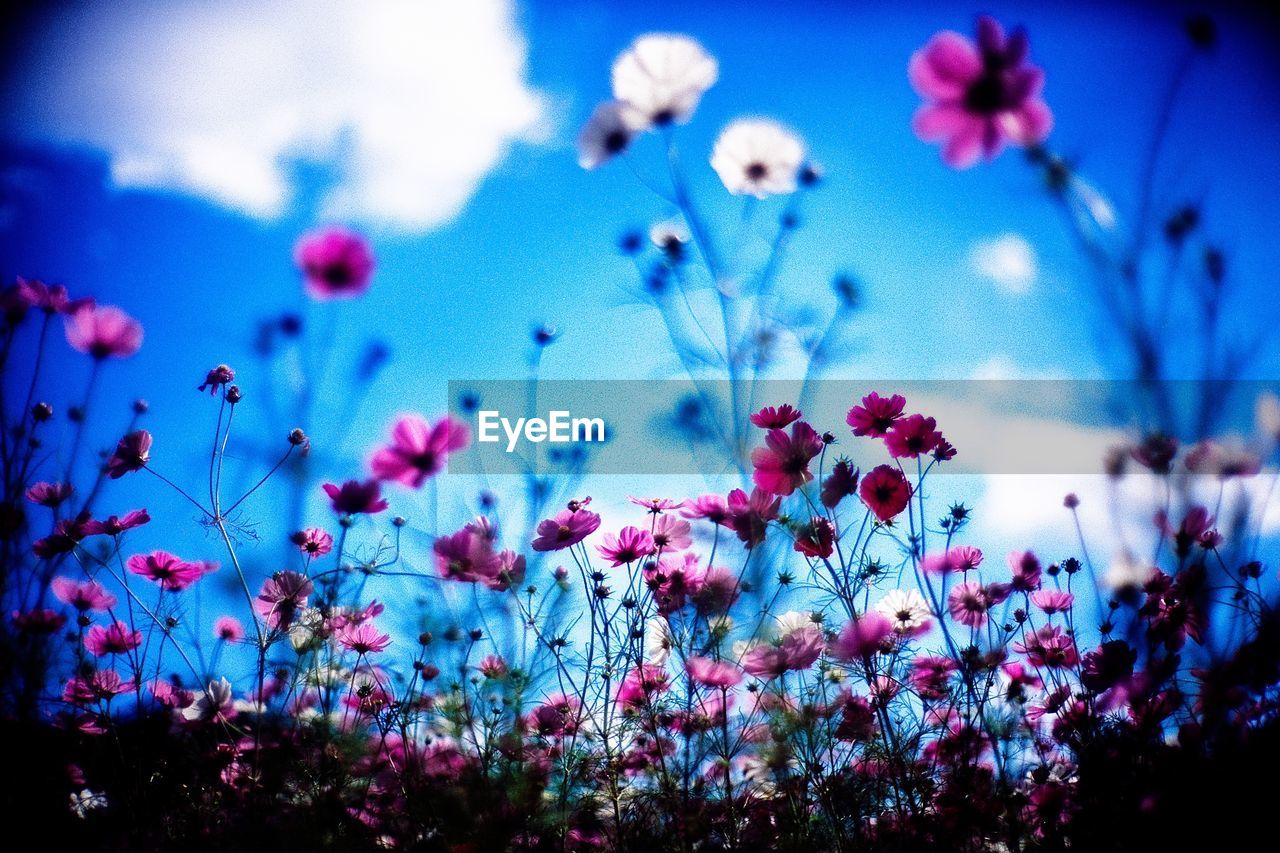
(964, 147)
(944, 67)
(1028, 125)
(411, 433)
(937, 122)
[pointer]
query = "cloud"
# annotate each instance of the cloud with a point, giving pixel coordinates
(1008, 260)
(413, 102)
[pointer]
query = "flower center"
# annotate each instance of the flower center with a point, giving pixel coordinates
(757, 171)
(986, 95)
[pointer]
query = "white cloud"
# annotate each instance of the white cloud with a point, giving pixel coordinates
(1008, 260)
(415, 102)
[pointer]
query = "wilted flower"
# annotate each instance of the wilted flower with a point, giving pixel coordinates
(216, 378)
(757, 157)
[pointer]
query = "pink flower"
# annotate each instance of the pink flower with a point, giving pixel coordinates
(103, 331)
(1052, 600)
(712, 673)
(671, 534)
(114, 525)
(131, 454)
(228, 628)
(335, 263)
(968, 604)
(714, 590)
(282, 596)
(885, 491)
(89, 595)
(861, 637)
(654, 505)
(1049, 647)
(418, 450)
(312, 542)
(216, 378)
(629, 545)
(41, 620)
(165, 569)
(641, 685)
(354, 497)
(102, 685)
(750, 516)
(962, 558)
(558, 715)
(66, 534)
(711, 507)
(49, 298)
(115, 639)
(978, 97)
(1025, 568)
(782, 465)
(912, 436)
(567, 528)
(797, 650)
(363, 639)
(876, 414)
(779, 418)
(494, 667)
(49, 494)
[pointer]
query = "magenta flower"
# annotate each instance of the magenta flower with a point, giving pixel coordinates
(49, 298)
(558, 715)
(114, 525)
(629, 545)
(41, 620)
(49, 494)
(840, 483)
(282, 596)
(66, 534)
(671, 533)
(1025, 569)
(654, 505)
(968, 604)
(131, 454)
(816, 539)
(750, 516)
(912, 437)
(798, 650)
(961, 558)
(876, 414)
(782, 465)
(885, 491)
(103, 331)
(713, 508)
(335, 263)
(1052, 600)
(567, 528)
(861, 637)
(86, 596)
(101, 686)
(228, 629)
(780, 418)
(712, 673)
(363, 639)
(978, 96)
(312, 542)
(418, 449)
(714, 590)
(641, 685)
(354, 497)
(1049, 647)
(115, 639)
(165, 569)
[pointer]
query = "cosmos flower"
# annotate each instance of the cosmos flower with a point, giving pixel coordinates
(103, 332)
(131, 454)
(654, 505)
(83, 596)
(782, 465)
(816, 539)
(862, 636)
(608, 133)
(776, 418)
(354, 497)
(1052, 600)
(115, 639)
(1049, 647)
(906, 611)
(658, 641)
(912, 436)
(961, 558)
(418, 449)
(49, 494)
(662, 77)
(876, 415)
(49, 298)
(217, 378)
(978, 97)
(282, 596)
(170, 572)
(629, 545)
(228, 629)
(312, 542)
(567, 528)
(712, 673)
(114, 525)
(968, 604)
(335, 263)
(214, 703)
(363, 639)
(885, 491)
(1025, 570)
(671, 534)
(713, 508)
(840, 483)
(757, 157)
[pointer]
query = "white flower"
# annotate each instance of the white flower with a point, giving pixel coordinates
(1126, 572)
(758, 157)
(87, 801)
(792, 621)
(658, 641)
(670, 236)
(213, 702)
(662, 76)
(906, 609)
(607, 133)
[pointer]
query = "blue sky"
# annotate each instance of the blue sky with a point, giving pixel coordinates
(532, 239)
